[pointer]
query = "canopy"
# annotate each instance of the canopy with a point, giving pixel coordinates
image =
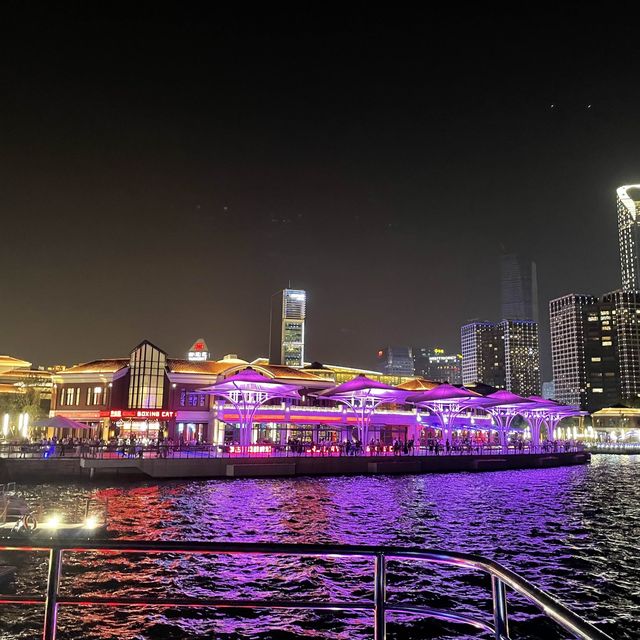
(60, 422)
(248, 390)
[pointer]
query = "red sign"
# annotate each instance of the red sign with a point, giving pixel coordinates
(154, 414)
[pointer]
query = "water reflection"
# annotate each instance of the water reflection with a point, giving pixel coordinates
(572, 531)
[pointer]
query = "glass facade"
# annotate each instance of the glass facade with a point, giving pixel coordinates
(147, 369)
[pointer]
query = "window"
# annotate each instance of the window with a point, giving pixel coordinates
(70, 396)
(146, 386)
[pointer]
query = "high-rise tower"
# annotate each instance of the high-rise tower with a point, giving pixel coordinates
(288, 313)
(628, 206)
(519, 288)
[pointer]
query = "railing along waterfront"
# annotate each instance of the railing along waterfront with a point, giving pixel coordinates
(114, 451)
(379, 606)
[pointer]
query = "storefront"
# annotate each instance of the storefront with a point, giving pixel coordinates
(138, 424)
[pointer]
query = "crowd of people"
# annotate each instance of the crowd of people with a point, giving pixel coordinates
(131, 447)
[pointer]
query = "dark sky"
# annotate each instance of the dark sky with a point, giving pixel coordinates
(163, 172)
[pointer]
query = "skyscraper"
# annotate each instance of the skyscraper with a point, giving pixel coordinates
(624, 338)
(482, 354)
(521, 356)
(396, 361)
(288, 313)
(504, 355)
(584, 351)
(435, 364)
(519, 288)
(628, 211)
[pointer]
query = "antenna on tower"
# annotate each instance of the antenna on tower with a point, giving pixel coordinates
(289, 285)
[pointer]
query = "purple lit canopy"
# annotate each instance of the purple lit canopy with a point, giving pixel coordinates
(247, 391)
(446, 403)
(363, 396)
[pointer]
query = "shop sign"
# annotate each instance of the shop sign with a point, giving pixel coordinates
(151, 414)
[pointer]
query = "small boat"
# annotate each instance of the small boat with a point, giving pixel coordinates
(19, 518)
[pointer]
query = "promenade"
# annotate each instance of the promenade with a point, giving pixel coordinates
(42, 463)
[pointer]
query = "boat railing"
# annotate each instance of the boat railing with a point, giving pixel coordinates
(501, 579)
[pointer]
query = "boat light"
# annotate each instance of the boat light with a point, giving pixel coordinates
(53, 521)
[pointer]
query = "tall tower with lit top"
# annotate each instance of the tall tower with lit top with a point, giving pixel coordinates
(288, 313)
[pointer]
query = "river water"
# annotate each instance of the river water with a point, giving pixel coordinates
(573, 531)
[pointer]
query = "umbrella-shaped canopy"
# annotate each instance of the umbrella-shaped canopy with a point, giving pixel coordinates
(60, 422)
(360, 386)
(363, 395)
(504, 398)
(444, 393)
(250, 380)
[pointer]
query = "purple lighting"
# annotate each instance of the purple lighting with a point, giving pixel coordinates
(247, 391)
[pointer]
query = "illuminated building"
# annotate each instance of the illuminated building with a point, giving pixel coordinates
(628, 209)
(150, 395)
(584, 351)
(519, 288)
(435, 364)
(396, 361)
(505, 355)
(288, 313)
(19, 378)
(198, 351)
(624, 340)
(482, 354)
(521, 356)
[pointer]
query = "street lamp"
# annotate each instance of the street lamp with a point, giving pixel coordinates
(25, 425)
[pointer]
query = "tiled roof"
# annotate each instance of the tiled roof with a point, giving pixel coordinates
(210, 367)
(280, 371)
(418, 384)
(99, 366)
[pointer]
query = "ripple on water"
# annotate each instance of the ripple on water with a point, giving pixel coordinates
(572, 531)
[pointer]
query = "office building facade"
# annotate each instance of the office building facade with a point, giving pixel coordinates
(591, 338)
(396, 361)
(288, 314)
(628, 208)
(435, 364)
(482, 354)
(521, 356)
(519, 288)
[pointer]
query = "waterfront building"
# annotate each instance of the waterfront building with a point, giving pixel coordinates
(521, 356)
(436, 364)
(396, 361)
(149, 396)
(287, 333)
(482, 354)
(628, 209)
(19, 378)
(199, 352)
(519, 288)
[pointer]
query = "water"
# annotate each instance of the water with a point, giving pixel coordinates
(573, 531)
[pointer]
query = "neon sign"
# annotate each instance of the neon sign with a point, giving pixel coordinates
(139, 413)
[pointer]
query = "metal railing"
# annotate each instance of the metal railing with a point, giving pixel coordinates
(501, 578)
(114, 451)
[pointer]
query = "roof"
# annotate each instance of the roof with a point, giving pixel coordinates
(280, 371)
(11, 389)
(210, 367)
(99, 366)
(418, 384)
(12, 362)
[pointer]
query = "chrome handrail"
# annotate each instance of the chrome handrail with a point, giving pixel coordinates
(501, 577)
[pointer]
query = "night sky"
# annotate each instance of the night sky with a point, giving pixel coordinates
(163, 173)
